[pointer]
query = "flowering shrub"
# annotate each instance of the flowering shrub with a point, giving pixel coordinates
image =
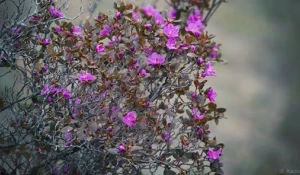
(117, 95)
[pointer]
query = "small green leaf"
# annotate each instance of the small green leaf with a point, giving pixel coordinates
(57, 22)
(169, 172)
(34, 99)
(221, 110)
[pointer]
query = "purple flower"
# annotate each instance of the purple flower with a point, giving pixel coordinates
(54, 90)
(194, 94)
(214, 155)
(129, 119)
(78, 101)
(99, 48)
(44, 69)
(66, 93)
(49, 99)
(86, 77)
(121, 148)
(171, 31)
(46, 42)
(110, 129)
(148, 26)
(57, 29)
(42, 41)
(143, 73)
(150, 11)
(68, 136)
(155, 59)
(118, 15)
(197, 115)
(200, 61)
(55, 12)
(214, 52)
(192, 48)
(16, 30)
(76, 30)
(195, 17)
(71, 58)
(132, 48)
(46, 89)
(171, 44)
(34, 19)
(211, 95)
(208, 71)
(66, 169)
(68, 143)
(199, 131)
(105, 31)
(166, 136)
(172, 14)
(3, 58)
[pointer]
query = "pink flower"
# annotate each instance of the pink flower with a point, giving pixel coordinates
(171, 31)
(211, 95)
(86, 77)
(194, 23)
(214, 155)
(99, 48)
(143, 73)
(121, 148)
(208, 71)
(129, 119)
(76, 30)
(150, 11)
(171, 44)
(105, 31)
(155, 59)
(197, 115)
(195, 28)
(55, 12)
(118, 15)
(195, 17)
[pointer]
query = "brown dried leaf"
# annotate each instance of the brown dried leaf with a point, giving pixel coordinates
(1, 103)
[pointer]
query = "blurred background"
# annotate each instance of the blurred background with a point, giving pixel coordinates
(259, 86)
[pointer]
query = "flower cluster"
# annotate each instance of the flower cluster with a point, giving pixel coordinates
(130, 87)
(194, 23)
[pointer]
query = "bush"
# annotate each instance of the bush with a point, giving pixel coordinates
(117, 95)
